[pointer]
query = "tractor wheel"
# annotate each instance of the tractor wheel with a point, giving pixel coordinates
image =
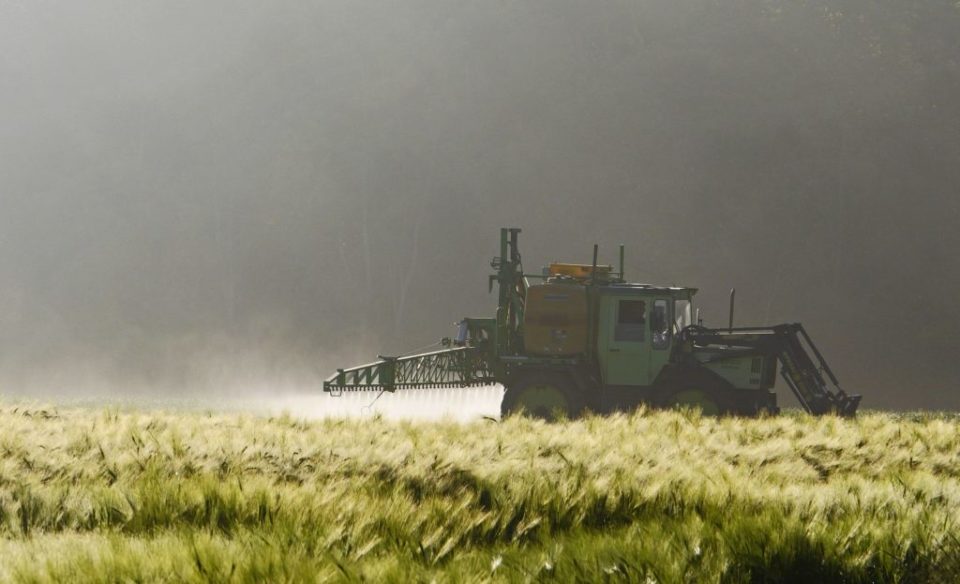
(545, 396)
(693, 397)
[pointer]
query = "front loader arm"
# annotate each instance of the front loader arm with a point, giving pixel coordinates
(789, 344)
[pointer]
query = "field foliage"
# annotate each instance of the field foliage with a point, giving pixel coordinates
(109, 495)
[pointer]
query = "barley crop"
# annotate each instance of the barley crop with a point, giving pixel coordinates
(108, 495)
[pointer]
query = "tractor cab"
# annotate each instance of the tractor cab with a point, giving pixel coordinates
(636, 328)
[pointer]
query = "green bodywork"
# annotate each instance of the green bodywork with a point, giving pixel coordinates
(746, 372)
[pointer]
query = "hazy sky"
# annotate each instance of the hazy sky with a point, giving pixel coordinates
(194, 194)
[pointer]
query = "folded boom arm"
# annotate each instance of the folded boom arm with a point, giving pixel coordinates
(788, 343)
(452, 367)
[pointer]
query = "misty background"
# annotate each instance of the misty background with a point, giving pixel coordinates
(218, 197)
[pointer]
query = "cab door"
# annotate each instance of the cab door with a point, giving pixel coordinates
(624, 335)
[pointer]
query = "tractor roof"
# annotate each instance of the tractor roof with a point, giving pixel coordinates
(633, 286)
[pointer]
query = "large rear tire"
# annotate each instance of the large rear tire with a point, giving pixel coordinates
(542, 395)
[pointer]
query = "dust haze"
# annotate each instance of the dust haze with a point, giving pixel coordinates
(232, 198)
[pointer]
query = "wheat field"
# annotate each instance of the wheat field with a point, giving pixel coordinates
(108, 495)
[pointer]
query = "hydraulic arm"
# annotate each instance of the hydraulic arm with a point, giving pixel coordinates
(788, 343)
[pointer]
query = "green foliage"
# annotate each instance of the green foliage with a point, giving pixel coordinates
(658, 497)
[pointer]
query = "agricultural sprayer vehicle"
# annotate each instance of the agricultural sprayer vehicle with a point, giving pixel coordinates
(580, 337)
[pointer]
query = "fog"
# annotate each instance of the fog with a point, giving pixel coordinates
(232, 198)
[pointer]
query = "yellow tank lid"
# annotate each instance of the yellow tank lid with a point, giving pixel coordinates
(580, 271)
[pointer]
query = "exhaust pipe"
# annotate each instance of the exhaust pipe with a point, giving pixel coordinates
(733, 295)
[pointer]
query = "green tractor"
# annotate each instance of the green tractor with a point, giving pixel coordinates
(579, 337)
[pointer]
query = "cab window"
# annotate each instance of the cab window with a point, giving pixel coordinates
(660, 324)
(681, 315)
(631, 321)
